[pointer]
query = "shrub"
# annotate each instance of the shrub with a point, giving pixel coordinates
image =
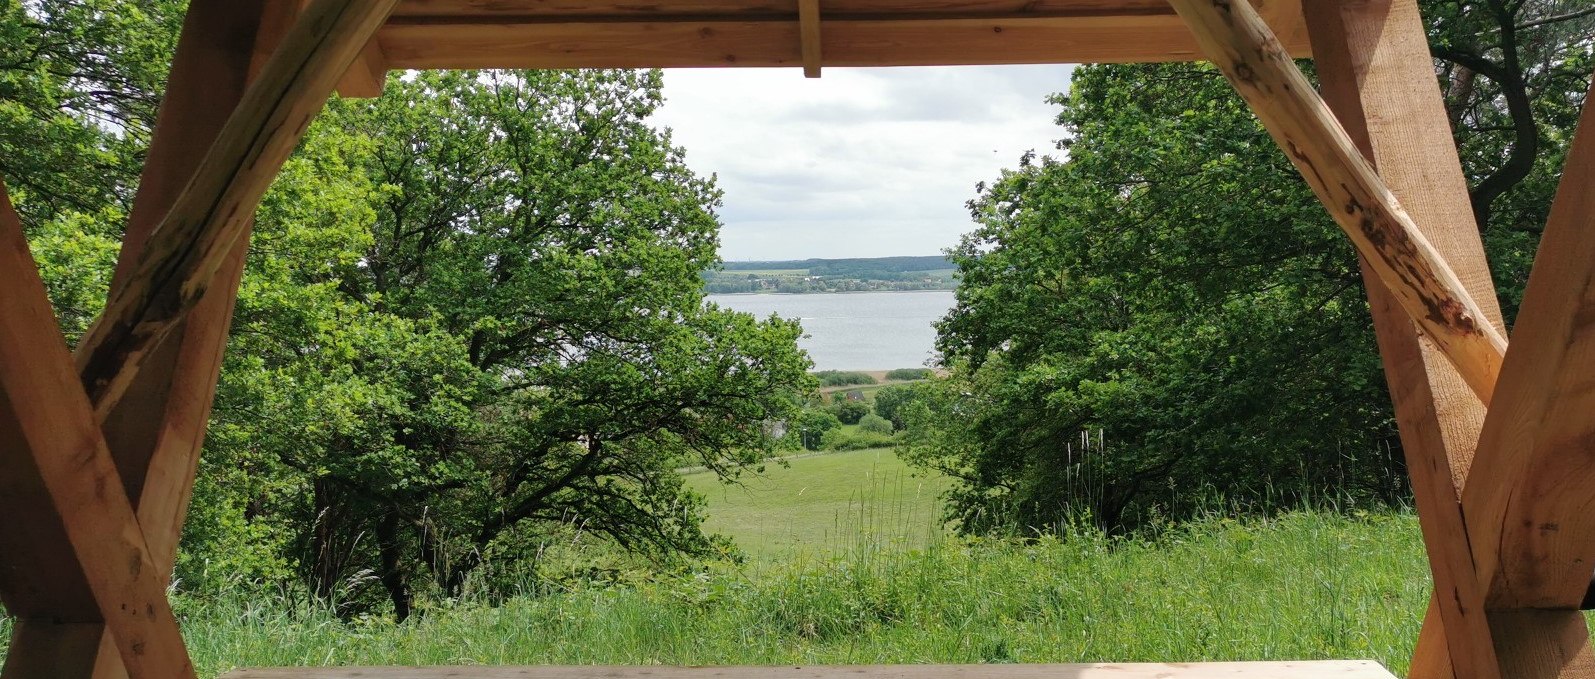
(875, 424)
(891, 402)
(812, 426)
(909, 374)
(850, 412)
(841, 439)
(841, 378)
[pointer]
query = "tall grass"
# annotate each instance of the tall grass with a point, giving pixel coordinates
(1304, 585)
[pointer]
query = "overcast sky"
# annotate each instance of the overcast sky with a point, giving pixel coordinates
(859, 163)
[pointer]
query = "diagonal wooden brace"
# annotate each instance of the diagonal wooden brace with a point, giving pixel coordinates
(1237, 40)
(196, 237)
(49, 438)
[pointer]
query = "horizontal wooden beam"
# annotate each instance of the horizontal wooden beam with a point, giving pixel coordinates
(196, 237)
(852, 33)
(1238, 41)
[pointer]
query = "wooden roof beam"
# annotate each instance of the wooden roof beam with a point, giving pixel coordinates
(1235, 38)
(466, 34)
(196, 237)
(809, 32)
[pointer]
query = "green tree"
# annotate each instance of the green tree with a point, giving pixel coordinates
(891, 402)
(473, 315)
(1173, 284)
(850, 411)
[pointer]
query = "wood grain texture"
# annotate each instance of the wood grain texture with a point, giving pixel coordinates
(1533, 522)
(48, 432)
(45, 648)
(1326, 669)
(195, 238)
(1372, 61)
(809, 31)
(717, 33)
(157, 429)
(1235, 38)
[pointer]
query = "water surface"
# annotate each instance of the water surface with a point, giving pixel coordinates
(857, 330)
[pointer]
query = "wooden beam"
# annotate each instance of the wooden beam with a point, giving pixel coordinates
(49, 438)
(1235, 38)
(1373, 68)
(46, 648)
(367, 76)
(1532, 520)
(196, 237)
(684, 41)
(1528, 508)
(809, 30)
(156, 431)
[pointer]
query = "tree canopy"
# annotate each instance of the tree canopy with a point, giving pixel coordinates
(1171, 283)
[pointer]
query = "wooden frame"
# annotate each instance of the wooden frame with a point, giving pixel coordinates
(98, 449)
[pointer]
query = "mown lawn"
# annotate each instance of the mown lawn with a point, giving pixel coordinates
(826, 504)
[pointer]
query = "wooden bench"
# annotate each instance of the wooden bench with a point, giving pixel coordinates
(1315, 669)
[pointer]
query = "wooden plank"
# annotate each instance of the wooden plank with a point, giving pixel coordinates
(1322, 669)
(48, 432)
(745, 9)
(1372, 62)
(809, 31)
(1240, 43)
(859, 40)
(195, 238)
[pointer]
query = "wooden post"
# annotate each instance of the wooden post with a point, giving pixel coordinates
(809, 36)
(1237, 40)
(156, 431)
(1528, 507)
(81, 540)
(1373, 66)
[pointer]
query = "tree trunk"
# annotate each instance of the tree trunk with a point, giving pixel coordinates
(392, 567)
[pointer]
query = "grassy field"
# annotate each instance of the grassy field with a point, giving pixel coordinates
(846, 567)
(1304, 586)
(826, 504)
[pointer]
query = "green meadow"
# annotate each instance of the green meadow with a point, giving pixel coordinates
(826, 504)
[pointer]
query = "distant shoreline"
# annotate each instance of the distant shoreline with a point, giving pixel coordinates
(825, 292)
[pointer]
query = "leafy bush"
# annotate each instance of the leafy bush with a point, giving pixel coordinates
(812, 426)
(909, 374)
(842, 439)
(891, 402)
(875, 424)
(842, 378)
(850, 412)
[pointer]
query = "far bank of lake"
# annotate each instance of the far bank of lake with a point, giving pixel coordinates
(856, 330)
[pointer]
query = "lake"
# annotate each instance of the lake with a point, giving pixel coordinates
(857, 330)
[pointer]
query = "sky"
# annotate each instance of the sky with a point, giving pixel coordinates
(863, 162)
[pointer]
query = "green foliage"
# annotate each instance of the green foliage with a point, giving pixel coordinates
(875, 424)
(1173, 285)
(472, 320)
(843, 378)
(857, 439)
(811, 426)
(909, 374)
(892, 403)
(850, 411)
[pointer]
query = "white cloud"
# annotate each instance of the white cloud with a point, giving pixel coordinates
(859, 163)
